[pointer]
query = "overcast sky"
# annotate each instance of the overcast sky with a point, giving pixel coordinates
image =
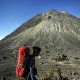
(15, 12)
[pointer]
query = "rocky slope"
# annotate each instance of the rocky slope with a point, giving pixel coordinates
(56, 33)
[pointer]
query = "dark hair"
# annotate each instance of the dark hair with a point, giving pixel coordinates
(36, 50)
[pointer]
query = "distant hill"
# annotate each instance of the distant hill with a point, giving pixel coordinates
(54, 32)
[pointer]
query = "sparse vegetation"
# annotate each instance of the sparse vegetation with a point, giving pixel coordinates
(54, 74)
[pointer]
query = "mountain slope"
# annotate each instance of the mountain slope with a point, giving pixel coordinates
(54, 32)
(30, 23)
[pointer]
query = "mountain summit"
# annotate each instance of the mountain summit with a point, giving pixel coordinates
(54, 32)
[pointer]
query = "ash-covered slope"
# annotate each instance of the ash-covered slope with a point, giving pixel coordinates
(52, 27)
(54, 32)
(28, 24)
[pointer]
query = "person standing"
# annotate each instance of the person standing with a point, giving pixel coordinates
(33, 70)
(25, 68)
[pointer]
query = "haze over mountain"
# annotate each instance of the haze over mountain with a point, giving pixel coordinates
(54, 32)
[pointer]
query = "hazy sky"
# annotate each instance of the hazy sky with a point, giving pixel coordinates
(15, 12)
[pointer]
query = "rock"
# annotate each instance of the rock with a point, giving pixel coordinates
(3, 78)
(4, 58)
(41, 63)
(60, 57)
(49, 17)
(76, 58)
(74, 73)
(14, 52)
(65, 78)
(39, 57)
(54, 74)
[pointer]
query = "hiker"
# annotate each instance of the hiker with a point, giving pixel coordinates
(33, 70)
(26, 62)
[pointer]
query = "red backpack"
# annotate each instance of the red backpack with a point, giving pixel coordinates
(22, 59)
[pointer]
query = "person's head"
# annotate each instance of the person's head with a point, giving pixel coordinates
(36, 51)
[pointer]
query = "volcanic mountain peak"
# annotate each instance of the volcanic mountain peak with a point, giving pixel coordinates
(52, 14)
